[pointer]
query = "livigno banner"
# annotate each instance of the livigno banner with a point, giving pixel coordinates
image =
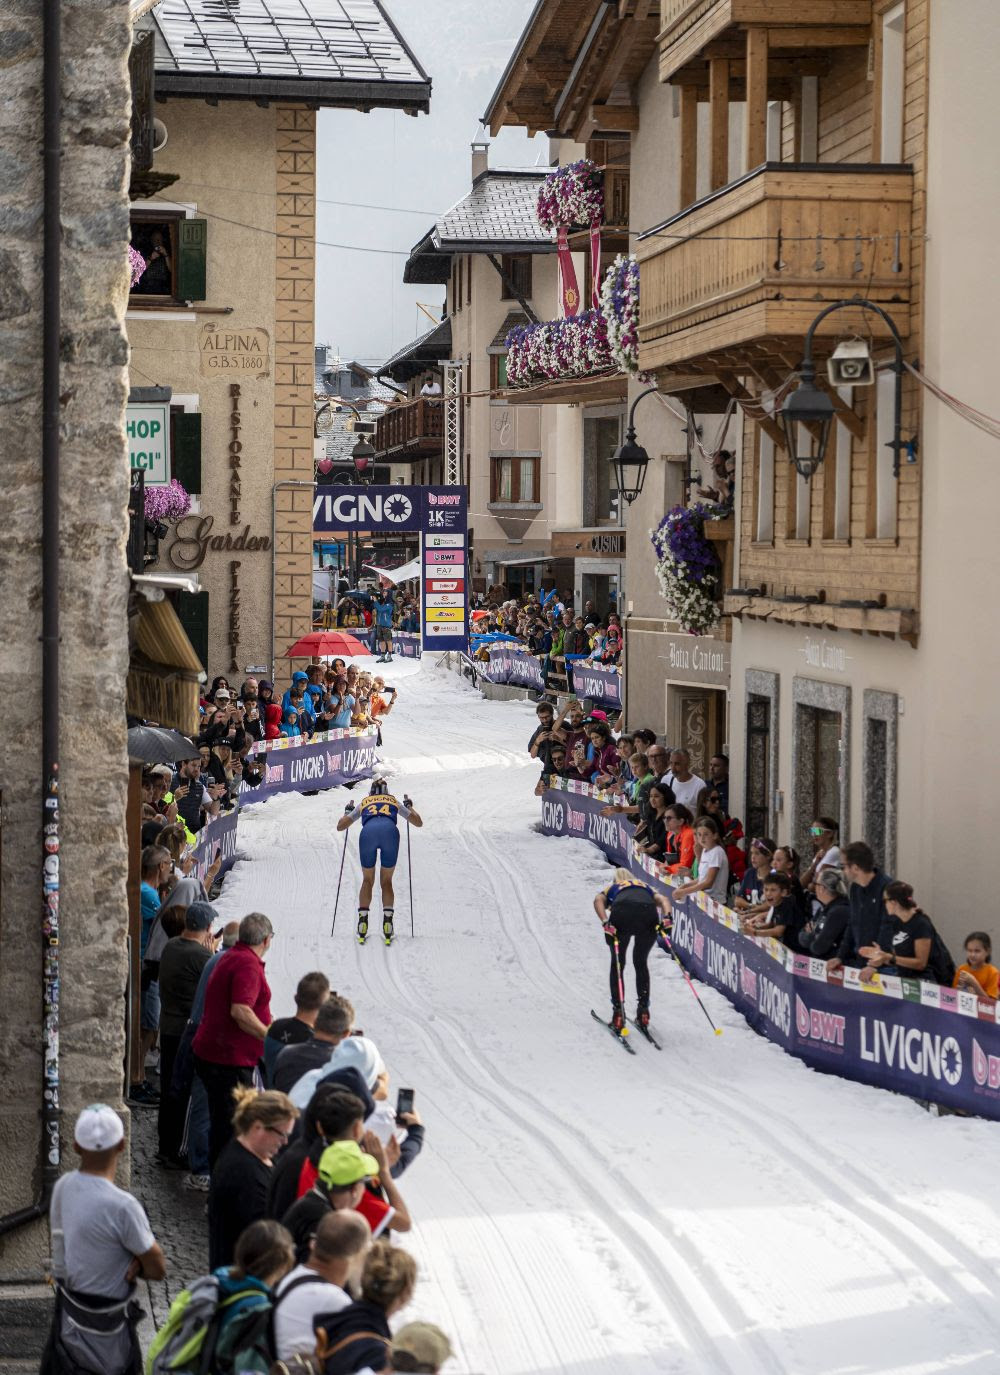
(325, 761)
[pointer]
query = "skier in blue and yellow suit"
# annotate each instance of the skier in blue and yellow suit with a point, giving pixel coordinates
(379, 813)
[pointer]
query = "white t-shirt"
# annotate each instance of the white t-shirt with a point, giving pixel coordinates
(685, 793)
(97, 1229)
(715, 859)
(831, 860)
(293, 1317)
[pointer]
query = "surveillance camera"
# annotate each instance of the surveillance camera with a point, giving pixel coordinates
(850, 365)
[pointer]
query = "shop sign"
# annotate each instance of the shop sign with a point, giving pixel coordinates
(231, 353)
(588, 544)
(193, 539)
(825, 654)
(697, 659)
(147, 426)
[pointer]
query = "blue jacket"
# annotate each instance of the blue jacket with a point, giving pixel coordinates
(299, 679)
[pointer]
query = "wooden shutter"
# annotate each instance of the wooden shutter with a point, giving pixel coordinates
(192, 252)
(192, 612)
(186, 449)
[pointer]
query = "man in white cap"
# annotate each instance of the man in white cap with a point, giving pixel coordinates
(101, 1243)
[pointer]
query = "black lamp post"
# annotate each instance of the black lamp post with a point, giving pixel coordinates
(811, 405)
(630, 460)
(362, 454)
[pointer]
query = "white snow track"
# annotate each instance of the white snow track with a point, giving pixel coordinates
(717, 1209)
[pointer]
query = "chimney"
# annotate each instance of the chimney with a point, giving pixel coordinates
(480, 159)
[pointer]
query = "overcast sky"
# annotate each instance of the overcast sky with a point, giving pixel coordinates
(408, 165)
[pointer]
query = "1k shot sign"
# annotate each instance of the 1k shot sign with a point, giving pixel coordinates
(441, 516)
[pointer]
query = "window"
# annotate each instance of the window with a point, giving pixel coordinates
(468, 281)
(175, 249)
(498, 371)
(517, 271)
(764, 524)
(891, 75)
(459, 265)
(881, 478)
(515, 481)
(601, 437)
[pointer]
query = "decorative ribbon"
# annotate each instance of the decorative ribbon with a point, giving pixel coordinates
(595, 263)
(567, 273)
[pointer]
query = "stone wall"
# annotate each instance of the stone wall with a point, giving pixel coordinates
(93, 584)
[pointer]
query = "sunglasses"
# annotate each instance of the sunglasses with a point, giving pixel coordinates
(759, 845)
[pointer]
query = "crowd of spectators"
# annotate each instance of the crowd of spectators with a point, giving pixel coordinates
(839, 906)
(302, 1159)
(354, 610)
(546, 625)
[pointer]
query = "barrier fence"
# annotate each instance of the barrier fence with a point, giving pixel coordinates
(406, 644)
(514, 667)
(931, 1043)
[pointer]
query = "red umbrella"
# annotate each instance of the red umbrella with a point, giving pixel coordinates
(321, 642)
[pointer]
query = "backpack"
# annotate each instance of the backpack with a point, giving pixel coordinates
(185, 1344)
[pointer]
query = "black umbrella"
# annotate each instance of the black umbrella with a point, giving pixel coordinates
(155, 745)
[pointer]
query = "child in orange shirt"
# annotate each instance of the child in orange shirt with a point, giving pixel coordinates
(977, 975)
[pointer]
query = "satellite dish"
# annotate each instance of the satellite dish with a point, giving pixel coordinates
(325, 418)
(159, 135)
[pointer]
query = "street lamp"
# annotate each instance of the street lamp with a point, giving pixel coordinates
(630, 460)
(812, 405)
(362, 454)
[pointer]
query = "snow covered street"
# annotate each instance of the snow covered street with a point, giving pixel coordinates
(718, 1207)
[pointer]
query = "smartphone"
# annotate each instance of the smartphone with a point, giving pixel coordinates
(388, 689)
(218, 852)
(404, 1101)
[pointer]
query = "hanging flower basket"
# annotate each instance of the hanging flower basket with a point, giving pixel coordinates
(574, 347)
(573, 194)
(136, 264)
(167, 502)
(620, 308)
(687, 566)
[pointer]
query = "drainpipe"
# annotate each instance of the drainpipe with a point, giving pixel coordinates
(49, 1146)
(625, 639)
(288, 482)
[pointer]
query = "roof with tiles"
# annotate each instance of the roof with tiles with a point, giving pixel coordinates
(499, 215)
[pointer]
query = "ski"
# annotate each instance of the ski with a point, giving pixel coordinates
(619, 1037)
(645, 1031)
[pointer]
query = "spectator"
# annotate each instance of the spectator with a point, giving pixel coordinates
(686, 785)
(977, 975)
(713, 866)
(290, 724)
(710, 804)
(311, 993)
(544, 737)
(783, 918)
(333, 1021)
(579, 767)
(678, 858)
(750, 898)
(336, 1258)
(913, 947)
(867, 911)
(272, 721)
(570, 726)
(101, 1243)
(651, 835)
(612, 640)
(242, 1332)
(826, 852)
(356, 1052)
(787, 861)
(155, 865)
(821, 936)
(183, 959)
(605, 755)
(420, 1346)
(195, 802)
(718, 777)
(262, 1123)
(359, 1335)
(340, 1184)
(335, 1112)
(229, 1042)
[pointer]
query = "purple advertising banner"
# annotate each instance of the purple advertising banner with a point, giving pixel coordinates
(514, 667)
(218, 834)
(912, 1037)
(326, 761)
(601, 684)
(405, 644)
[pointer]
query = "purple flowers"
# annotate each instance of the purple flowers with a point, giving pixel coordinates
(572, 347)
(136, 264)
(620, 307)
(687, 566)
(168, 502)
(573, 194)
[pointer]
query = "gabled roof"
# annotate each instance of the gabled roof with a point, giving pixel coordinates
(422, 353)
(332, 52)
(499, 215)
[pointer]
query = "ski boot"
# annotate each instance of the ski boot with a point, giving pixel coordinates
(642, 1013)
(362, 925)
(617, 1022)
(387, 918)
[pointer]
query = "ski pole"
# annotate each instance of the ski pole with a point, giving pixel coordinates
(409, 863)
(690, 984)
(621, 985)
(340, 877)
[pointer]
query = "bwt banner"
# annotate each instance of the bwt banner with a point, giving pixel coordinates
(405, 644)
(514, 667)
(915, 1038)
(325, 761)
(602, 685)
(441, 516)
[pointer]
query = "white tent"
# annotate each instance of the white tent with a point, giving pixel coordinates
(397, 575)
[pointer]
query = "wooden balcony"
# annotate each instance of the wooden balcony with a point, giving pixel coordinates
(614, 230)
(733, 282)
(411, 430)
(688, 27)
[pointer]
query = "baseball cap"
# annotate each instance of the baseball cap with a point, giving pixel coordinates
(220, 693)
(426, 1343)
(98, 1128)
(200, 916)
(345, 1163)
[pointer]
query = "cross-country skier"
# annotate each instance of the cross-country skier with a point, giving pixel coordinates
(379, 843)
(630, 910)
(384, 609)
